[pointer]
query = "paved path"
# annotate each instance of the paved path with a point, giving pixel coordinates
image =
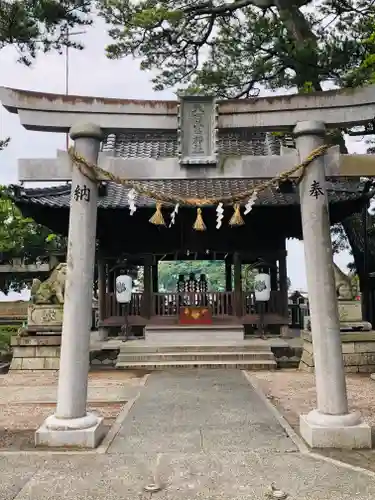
(206, 434)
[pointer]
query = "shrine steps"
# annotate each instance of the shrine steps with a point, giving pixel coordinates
(200, 334)
(245, 356)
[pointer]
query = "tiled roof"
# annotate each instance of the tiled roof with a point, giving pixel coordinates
(165, 145)
(116, 195)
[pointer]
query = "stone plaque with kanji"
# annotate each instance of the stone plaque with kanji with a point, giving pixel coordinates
(197, 130)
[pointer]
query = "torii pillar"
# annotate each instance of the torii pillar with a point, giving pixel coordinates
(72, 425)
(331, 425)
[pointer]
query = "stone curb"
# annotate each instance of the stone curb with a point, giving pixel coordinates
(116, 426)
(297, 440)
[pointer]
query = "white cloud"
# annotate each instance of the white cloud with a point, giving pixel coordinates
(91, 73)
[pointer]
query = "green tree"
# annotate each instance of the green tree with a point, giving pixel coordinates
(236, 48)
(22, 238)
(213, 269)
(169, 272)
(41, 25)
(4, 143)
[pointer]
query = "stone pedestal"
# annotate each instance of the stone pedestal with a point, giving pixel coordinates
(358, 352)
(285, 332)
(335, 431)
(47, 317)
(36, 352)
(103, 333)
(85, 432)
(320, 427)
(350, 314)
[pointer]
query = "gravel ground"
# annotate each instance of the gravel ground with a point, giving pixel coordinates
(293, 393)
(19, 419)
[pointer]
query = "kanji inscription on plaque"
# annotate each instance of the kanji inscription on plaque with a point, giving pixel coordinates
(197, 130)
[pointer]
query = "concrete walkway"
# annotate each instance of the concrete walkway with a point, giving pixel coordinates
(205, 434)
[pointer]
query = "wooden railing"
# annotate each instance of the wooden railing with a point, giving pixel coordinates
(113, 308)
(274, 306)
(169, 304)
(222, 304)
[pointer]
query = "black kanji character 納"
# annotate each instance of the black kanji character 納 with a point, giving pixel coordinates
(82, 193)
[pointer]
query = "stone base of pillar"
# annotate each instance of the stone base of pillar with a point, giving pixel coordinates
(85, 432)
(103, 333)
(335, 431)
(285, 332)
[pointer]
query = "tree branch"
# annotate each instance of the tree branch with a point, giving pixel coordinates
(228, 8)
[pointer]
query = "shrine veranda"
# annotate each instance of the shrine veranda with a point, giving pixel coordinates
(187, 165)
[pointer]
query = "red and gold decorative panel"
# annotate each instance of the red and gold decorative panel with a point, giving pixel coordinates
(195, 315)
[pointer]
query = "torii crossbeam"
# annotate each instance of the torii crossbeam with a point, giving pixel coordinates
(198, 123)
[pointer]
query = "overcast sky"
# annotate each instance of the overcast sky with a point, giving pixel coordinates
(91, 73)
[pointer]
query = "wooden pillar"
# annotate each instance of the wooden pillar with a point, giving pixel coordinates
(102, 295)
(147, 287)
(273, 273)
(283, 277)
(228, 275)
(155, 278)
(102, 285)
(111, 278)
(237, 284)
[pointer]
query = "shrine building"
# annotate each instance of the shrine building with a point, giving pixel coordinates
(126, 239)
(148, 181)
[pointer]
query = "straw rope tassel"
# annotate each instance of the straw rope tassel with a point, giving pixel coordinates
(236, 219)
(199, 224)
(158, 218)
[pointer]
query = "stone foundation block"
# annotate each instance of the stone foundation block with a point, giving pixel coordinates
(36, 352)
(24, 352)
(364, 347)
(32, 363)
(285, 331)
(32, 340)
(348, 437)
(358, 352)
(70, 438)
(366, 368)
(47, 352)
(51, 363)
(16, 364)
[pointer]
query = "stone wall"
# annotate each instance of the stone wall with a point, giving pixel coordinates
(42, 352)
(13, 309)
(104, 358)
(13, 312)
(358, 352)
(36, 352)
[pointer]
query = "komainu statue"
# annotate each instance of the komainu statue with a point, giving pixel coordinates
(50, 291)
(344, 285)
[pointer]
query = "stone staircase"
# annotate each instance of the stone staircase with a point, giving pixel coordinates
(248, 355)
(198, 334)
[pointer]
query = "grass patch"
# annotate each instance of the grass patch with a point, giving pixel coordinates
(6, 332)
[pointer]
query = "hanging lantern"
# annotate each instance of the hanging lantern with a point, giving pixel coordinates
(262, 287)
(124, 286)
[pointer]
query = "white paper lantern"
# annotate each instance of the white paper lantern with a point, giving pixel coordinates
(124, 286)
(262, 287)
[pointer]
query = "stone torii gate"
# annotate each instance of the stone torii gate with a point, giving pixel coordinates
(197, 120)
